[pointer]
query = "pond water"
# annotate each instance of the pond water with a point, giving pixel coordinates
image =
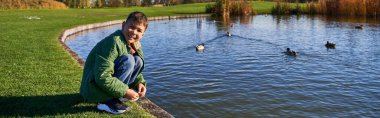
(248, 75)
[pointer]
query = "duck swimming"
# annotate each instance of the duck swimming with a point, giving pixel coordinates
(290, 52)
(330, 45)
(200, 47)
(359, 27)
(228, 34)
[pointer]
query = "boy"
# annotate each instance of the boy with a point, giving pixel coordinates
(112, 72)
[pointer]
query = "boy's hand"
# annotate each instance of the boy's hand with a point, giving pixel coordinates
(141, 90)
(131, 95)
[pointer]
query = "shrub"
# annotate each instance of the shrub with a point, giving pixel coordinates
(296, 10)
(281, 8)
(210, 8)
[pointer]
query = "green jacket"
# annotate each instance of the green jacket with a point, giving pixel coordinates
(97, 84)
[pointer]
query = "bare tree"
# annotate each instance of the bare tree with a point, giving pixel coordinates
(100, 3)
(115, 3)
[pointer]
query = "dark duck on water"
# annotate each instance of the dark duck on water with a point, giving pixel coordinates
(359, 27)
(290, 52)
(330, 45)
(228, 34)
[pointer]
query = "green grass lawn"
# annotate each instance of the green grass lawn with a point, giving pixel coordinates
(263, 7)
(39, 78)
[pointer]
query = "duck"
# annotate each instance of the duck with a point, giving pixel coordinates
(330, 45)
(359, 27)
(228, 34)
(232, 25)
(290, 52)
(200, 47)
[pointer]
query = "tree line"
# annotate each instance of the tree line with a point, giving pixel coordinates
(129, 3)
(293, 1)
(123, 3)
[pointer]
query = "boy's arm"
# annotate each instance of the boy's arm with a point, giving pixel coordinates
(103, 70)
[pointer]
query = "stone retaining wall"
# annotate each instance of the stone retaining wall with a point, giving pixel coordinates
(143, 102)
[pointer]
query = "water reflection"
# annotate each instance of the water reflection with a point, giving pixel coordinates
(245, 20)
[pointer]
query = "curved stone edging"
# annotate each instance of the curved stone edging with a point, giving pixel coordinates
(143, 102)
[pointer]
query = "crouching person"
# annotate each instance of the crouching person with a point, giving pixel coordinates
(112, 72)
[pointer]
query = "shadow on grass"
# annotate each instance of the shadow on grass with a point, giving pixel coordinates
(29, 106)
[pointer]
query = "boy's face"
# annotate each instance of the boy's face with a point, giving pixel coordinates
(133, 32)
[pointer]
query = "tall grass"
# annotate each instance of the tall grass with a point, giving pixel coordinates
(31, 4)
(243, 7)
(346, 7)
(226, 8)
(284, 7)
(311, 8)
(281, 8)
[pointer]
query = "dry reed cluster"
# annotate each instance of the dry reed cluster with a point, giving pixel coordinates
(283, 7)
(346, 7)
(228, 7)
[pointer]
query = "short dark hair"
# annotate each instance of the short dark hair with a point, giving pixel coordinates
(138, 17)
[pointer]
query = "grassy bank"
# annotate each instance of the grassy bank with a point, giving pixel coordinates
(263, 7)
(38, 77)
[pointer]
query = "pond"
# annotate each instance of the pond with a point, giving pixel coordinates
(248, 75)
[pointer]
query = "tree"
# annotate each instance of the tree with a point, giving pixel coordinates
(187, 1)
(73, 3)
(126, 3)
(88, 4)
(146, 3)
(100, 3)
(135, 3)
(115, 3)
(84, 4)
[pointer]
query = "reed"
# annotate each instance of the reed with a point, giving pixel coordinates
(297, 10)
(346, 7)
(373, 7)
(241, 8)
(311, 8)
(283, 7)
(226, 8)
(31, 4)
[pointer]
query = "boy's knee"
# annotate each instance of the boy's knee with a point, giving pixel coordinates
(139, 61)
(127, 60)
